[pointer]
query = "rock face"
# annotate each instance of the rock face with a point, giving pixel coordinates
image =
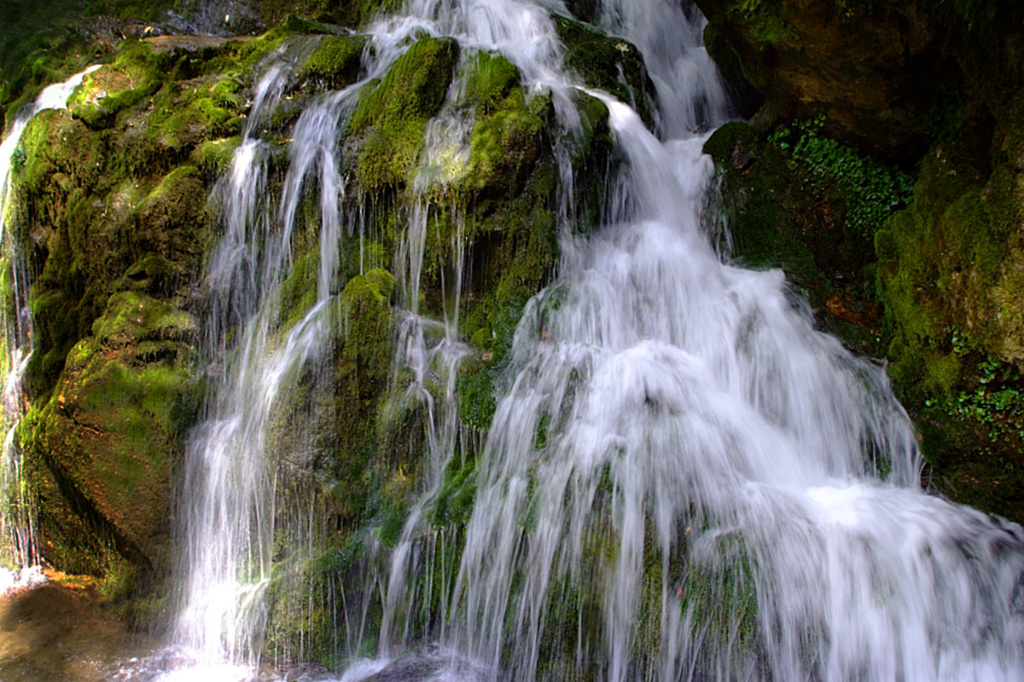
(849, 88)
(111, 217)
(886, 75)
(115, 217)
(882, 171)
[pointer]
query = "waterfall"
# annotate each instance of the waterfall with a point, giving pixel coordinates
(686, 480)
(722, 490)
(229, 487)
(18, 547)
(230, 484)
(683, 479)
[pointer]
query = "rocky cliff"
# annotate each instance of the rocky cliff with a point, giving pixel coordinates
(895, 125)
(115, 211)
(881, 170)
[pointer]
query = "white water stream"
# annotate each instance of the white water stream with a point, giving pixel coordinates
(18, 550)
(721, 491)
(684, 480)
(229, 484)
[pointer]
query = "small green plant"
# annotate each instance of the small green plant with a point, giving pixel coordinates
(18, 158)
(120, 581)
(768, 20)
(996, 404)
(871, 190)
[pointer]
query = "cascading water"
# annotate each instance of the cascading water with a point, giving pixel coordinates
(683, 479)
(17, 527)
(229, 483)
(686, 480)
(723, 491)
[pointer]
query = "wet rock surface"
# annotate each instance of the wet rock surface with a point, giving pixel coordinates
(60, 631)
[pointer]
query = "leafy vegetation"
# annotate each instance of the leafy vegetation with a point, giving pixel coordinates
(996, 403)
(870, 189)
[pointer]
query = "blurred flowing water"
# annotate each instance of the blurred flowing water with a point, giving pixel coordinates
(683, 479)
(19, 553)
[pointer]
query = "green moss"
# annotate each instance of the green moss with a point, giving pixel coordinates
(944, 267)
(214, 157)
(391, 119)
(599, 59)
(454, 502)
(299, 291)
(489, 81)
(54, 144)
(300, 622)
(134, 317)
(477, 396)
(112, 426)
(238, 58)
(376, 286)
(184, 116)
(767, 20)
(929, 256)
(504, 146)
(120, 582)
(294, 24)
(362, 365)
(974, 243)
(391, 523)
(478, 383)
(84, 209)
(763, 215)
(135, 73)
(335, 63)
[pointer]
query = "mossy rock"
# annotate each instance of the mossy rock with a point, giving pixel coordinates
(131, 317)
(335, 63)
(938, 262)
(111, 432)
(598, 59)
(58, 151)
(948, 274)
(299, 290)
(390, 120)
(507, 137)
(772, 219)
(135, 73)
(362, 365)
(453, 505)
(300, 622)
(110, 205)
(214, 157)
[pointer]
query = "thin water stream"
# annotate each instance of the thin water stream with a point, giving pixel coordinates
(18, 550)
